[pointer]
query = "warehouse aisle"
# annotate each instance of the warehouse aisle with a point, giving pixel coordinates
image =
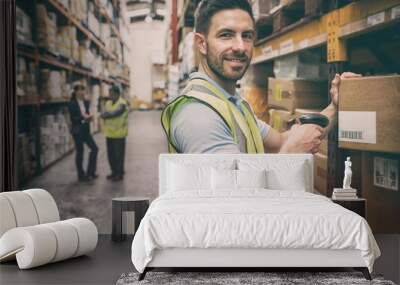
(145, 142)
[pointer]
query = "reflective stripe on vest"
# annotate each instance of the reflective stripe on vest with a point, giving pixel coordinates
(224, 108)
(116, 127)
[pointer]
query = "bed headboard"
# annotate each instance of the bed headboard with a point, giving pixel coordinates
(212, 159)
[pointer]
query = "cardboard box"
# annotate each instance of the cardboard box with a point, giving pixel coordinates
(257, 98)
(321, 173)
(292, 94)
(280, 120)
(369, 114)
(380, 187)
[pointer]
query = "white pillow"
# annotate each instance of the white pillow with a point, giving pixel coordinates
(292, 179)
(251, 179)
(281, 174)
(181, 177)
(223, 179)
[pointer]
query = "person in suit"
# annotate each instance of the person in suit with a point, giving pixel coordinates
(80, 130)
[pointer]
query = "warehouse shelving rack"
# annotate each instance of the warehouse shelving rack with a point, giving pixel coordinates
(331, 28)
(38, 106)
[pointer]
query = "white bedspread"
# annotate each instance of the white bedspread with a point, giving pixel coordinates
(251, 218)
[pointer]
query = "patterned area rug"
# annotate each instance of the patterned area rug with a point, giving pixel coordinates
(243, 278)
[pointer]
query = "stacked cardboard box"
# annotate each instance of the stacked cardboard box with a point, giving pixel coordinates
(86, 57)
(189, 55)
(26, 80)
(297, 93)
(79, 9)
(105, 33)
(369, 114)
(254, 90)
(263, 8)
(54, 85)
(280, 120)
(305, 65)
(23, 25)
(46, 28)
(55, 137)
(94, 24)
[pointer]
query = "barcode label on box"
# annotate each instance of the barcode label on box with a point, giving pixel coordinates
(376, 19)
(354, 135)
(359, 127)
(386, 173)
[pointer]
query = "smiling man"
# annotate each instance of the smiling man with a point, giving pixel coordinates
(209, 116)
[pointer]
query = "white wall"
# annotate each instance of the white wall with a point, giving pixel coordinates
(146, 38)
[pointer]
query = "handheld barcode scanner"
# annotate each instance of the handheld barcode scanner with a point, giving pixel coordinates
(316, 118)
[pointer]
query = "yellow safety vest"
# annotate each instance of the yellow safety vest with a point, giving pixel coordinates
(116, 127)
(224, 108)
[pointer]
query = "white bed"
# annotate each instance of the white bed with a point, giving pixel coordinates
(215, 211)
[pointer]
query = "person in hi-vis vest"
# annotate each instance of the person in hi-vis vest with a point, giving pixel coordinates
(209, 116)
(115, 117)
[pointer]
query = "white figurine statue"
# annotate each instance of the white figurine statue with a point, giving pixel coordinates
(347, 174)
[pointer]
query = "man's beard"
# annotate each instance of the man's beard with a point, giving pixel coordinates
(217, 65)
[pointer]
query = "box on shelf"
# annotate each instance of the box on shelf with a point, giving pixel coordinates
(380, 187)
(23, 26)
(304, 65)
(280, 120)
(46, 28)
(79, 9)
(369, 114)
(257, 75)
(93, 24)
(321, 173)
(257, 98)
(263, 7)
(298, 93)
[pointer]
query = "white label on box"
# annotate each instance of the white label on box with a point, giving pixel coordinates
(386, 173)
(376, 19)
(286, 47)
(267, 50)
(303, 44)
(357, 127)
(395, 12)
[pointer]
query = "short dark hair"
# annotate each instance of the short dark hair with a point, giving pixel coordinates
(208, 8)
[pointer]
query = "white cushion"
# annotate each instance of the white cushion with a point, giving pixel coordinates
(251, 179)
(223, 179)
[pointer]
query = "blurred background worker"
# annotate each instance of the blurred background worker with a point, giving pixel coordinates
(116, 129)
(78, 109)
